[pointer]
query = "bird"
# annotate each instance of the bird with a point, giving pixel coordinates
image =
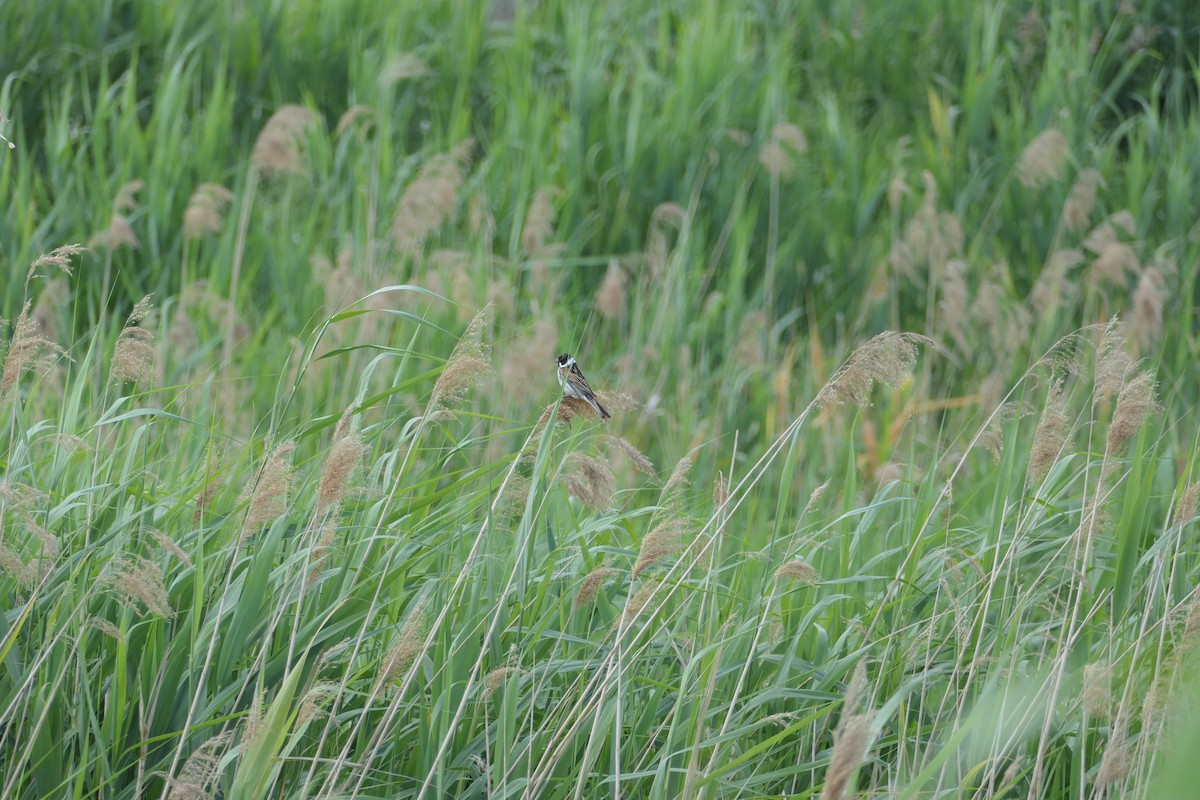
(570, 376)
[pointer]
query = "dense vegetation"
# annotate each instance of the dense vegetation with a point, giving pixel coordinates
(893, 304)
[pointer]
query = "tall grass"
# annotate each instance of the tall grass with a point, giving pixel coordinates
(892, 305)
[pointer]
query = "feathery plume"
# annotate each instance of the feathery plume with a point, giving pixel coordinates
(28, 351)
(611, 296)
(1135, 403)
(539, 221)
(201, 770)
(409, 644)
(640, 601)
(1189, 502)
(592, 482)
(107, 628)
(352, 115)
(1054, 286)
(1077, 211)
(591, 585)
(403, 67)
(778, 154)
(142, 580)
(665, 540)
(851, 738)
(468, 366)
(635, 456)
(1117, 758)
(59, 258)
(277, 148)
(431, 199)
(666, 216)
(1051, 436)
(168, 544)
(720, 492)
(1108, 231)
(1146, 322)
(118, 234)
(952, 306)
(885, 359)
(798, 570)
(268, 495)
(133, 354)
(344, 457)
(1096, 697)
(24, 575)
(205, 212)
(1043, 159)
(816, 496)
(1112, 363)
(497, 678)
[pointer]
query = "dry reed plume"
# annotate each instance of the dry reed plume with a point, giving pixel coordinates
(931, 238)
(1189, 502)
(469, 365)
(196, 779)
(635, 456)
(59, 258)
(665, 218)
(352, 115)
(665, 540)
(851, 738)
(816, 496)
(640, 601)
(133, 354)
(142, 580)
(778, 154)
(591, 585)
(1146, 319)
(1077, 211)
(885, 359)
(403, 67)
(269, 495)
(1135, 403)
(611, 297)
(430, 200)
(1050, 439)
(405, 649)
(1043, 160)
(800, 571)
(205, 211)
(344, 457)
(1096, 697)
(539, 222)
(277, 150)
(591, 482)
(27, 351)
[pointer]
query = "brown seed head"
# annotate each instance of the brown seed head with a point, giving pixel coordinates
(429, 201)
(352, 115)
(201, 770)
(205, 211)
(1134, 404)
(1043, 159)
(611, 297)
(118, 234)
(403, 67)
(592, 482)
(1077, 212)
(635, 456)
(1118, 756)
(1096, 697)
(1054, 285)
(665, 540)
(142, 580)
(497, 678)
(1146, 322)
(1189, 501)
(1051, 437)
(539, 221)
(850, 742)
(469, 365)
(798, 570)
(168, 544)
(344, 457)
(409, 644)
(133, 354)
(640, 601)
(591, 585)
(816, 496)
(778, 154)
(268, 497)
(58, 258)
(278, 148)
(1112, 363)
(27, 352)
(886, 359)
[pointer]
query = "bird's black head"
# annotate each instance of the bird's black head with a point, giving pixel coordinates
(563, 359)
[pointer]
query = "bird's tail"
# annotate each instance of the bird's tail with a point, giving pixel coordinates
(603, 411)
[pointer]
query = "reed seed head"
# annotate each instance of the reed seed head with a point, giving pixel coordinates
(1043, 159)
(539, 221)
(142, 580)
(640, 601)
(196, 779)
(635, 456)
(885, 359)
(592, 482)
(611, 297)
(1050, 439)
(1189, 502)
(27, 351)
(816, 496)
(591, 585)
(1146, 322)
(268, 497)
(205, 212)
(118, 234)
(59, 258)
(408, 646)
(1135, 403)
(800, 571)
(1077, 212)
(352, 115)
(666, 540)
(403, 67)
(133, 354)
(469, 365)
(344, 457)
(430, 200)
(1096, 697)
(778, 154)
(277, 150)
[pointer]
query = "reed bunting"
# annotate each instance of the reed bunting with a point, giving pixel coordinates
(570, 376)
